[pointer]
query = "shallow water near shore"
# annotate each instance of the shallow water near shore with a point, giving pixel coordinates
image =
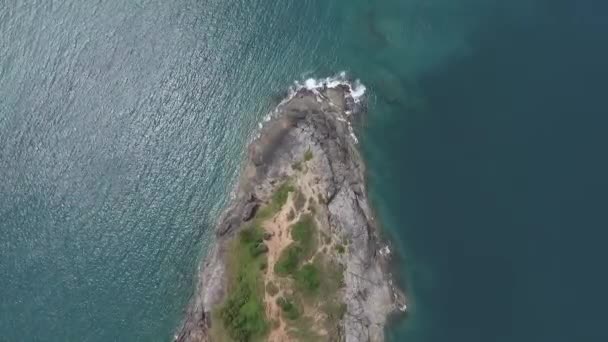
(123, 124)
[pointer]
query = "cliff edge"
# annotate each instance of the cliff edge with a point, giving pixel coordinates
(297, 255)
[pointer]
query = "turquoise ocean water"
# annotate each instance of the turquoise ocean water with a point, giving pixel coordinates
(123, 125)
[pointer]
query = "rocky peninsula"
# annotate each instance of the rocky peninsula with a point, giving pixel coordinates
(298, 255)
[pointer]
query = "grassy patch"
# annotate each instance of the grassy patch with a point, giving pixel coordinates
(277, 201)
(318, 285)
(308, 155)
(305, 233)
(297, 166)
(300, 330)
(308, 278)
(279, 197)
(289, 260)
(331, 275)
(242, 314)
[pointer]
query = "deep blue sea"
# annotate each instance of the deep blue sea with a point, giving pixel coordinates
(123, 125)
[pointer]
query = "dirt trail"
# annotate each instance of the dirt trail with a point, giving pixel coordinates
(278, 226)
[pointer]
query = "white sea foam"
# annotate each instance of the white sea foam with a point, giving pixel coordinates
(385, 251)
(356, 92)
(356, 88)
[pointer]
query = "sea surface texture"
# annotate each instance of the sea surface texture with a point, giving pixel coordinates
(123, 125)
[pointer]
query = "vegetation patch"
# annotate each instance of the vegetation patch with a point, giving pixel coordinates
(304, 232)
(242, 314)
(289, 308)
(279, 197)
(308, 155)
(277, 201)
(308, 278)
(297, 166)
(301, 330)
(289, 260)
(340, 248)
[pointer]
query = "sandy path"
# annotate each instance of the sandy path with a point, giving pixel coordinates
(278, 227)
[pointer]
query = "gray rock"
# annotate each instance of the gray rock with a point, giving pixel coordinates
(249, 211)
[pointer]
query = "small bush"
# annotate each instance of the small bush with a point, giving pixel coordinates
(297, 166)
(308, 155)
(257, 249)
(308, 278)
(290, 310)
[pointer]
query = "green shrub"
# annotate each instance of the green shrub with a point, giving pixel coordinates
(297, 166)
(340, 248)
(243, 314)
(308, 278)
(290, 310)
(257, 249)
(289, 260)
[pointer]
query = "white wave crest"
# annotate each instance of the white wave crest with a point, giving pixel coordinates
(356, 91)
(356, 88)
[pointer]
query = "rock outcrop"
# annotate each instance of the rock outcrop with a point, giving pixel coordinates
(316, 121)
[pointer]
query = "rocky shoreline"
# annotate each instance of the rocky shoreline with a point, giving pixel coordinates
(316, 121)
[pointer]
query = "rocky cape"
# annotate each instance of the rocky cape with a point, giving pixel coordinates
(317, 120)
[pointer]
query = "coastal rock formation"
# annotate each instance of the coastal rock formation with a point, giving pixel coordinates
(309, 143)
